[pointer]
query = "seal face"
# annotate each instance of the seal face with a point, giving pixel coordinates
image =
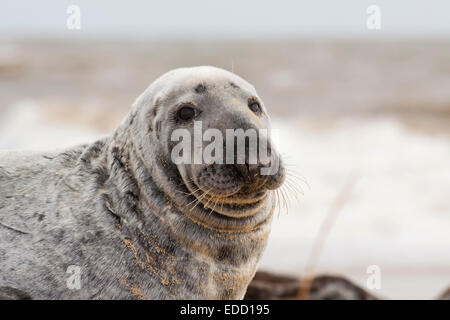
(182, 229)
(220, 101)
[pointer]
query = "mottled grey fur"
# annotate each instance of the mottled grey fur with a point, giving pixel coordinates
(119, 208)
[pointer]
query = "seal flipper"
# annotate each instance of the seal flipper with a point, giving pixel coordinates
(10, 293)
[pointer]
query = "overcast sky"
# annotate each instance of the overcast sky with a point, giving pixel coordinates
(229, 18)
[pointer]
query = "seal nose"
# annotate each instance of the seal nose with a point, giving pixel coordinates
(260, 167)
(252, 172)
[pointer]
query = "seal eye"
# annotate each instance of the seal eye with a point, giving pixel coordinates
(255, 107)
(186, 113)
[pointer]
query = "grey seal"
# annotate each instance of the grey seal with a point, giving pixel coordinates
(118, 219)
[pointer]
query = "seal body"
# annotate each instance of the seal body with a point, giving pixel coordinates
(117, 219)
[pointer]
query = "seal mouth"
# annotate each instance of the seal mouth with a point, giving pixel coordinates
(234, 205)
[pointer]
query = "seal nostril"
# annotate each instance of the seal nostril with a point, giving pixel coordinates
(248, 168)
(249, 172)
(242, 169)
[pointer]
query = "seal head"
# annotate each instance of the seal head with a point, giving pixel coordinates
(206, 102)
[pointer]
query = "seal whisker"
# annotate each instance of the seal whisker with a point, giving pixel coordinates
(293, 184)
(294, 189)
(208, 198)
(294, 175)
(279, 200)
(213, 208)
(196, 198)
(191, 192)
(290, 191)
(277, 204)
(285, 202)
(199, 199)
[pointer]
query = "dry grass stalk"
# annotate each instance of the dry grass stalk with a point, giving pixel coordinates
(325, 228)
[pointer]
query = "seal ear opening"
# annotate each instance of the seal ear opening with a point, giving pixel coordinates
(151, 117)
(158, 129)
